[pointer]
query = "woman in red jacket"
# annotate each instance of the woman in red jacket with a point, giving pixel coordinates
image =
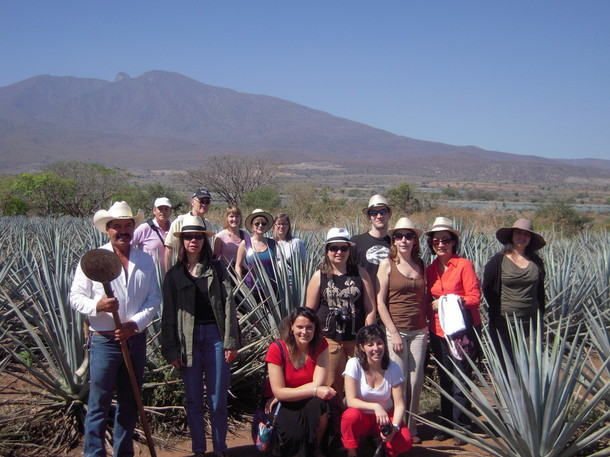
(451, 274)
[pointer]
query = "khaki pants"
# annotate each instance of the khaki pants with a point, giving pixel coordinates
(338, 353)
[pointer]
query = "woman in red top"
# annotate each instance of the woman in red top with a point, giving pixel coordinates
(297, 374)
(451, 274)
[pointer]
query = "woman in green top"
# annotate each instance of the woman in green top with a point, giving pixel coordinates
(513, 282)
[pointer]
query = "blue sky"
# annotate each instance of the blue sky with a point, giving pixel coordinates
(526, 77)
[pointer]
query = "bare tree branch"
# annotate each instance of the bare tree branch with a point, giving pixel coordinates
(232, 176)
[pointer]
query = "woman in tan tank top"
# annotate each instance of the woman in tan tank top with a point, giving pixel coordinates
(402, 307)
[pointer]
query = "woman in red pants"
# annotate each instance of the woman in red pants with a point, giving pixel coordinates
(375, 396)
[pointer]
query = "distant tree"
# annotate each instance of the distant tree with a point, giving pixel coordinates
(232, 176)
(266, 197)
(450, 192)
(559, 214)
(70, 188)
(144, 196)
(10, 203)
(403, 200)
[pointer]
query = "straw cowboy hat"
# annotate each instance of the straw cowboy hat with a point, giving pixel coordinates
(505, 234)
(259, 213)
(193, 224)
(339, 235)
(443, 224)
(119, 210)
(376, 200)
(404, 223)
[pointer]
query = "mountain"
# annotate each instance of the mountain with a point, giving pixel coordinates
(163, 120)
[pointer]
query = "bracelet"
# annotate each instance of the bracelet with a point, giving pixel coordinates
(315, 391)
(396, 427)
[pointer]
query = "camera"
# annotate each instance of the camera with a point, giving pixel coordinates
(343, 314)
(386, 430)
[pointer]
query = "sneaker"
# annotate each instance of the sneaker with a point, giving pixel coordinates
(440, 436)
(416, 439)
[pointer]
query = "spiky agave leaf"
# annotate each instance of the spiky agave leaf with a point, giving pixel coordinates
(535, 406)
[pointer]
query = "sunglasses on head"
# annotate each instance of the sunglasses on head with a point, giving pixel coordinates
(192, 236)
(377, 212)
(399, 236)
(338, 248)
(437, 241)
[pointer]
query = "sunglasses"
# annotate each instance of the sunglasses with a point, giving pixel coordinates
(377, 212)
(338, 248)
(260, 224)
(192, 236)
(437, 241)
(205, 201)
(399, 236)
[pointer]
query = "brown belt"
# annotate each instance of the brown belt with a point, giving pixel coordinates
(107, 333)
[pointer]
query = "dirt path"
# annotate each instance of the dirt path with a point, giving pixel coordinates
(240, 445)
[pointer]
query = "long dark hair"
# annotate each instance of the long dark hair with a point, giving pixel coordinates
(415, 252)
(326, 267)
(365, 335)
(205, 255)
(286, 329)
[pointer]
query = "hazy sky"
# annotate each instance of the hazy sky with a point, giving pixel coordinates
(527, 77)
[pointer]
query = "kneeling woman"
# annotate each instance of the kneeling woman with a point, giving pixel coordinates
(374, 394)
(297, 373)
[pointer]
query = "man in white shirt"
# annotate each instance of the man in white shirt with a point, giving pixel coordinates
(200, 203)
(137, 299)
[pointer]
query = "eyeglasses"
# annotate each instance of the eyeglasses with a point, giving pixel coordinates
(192, 236)
(377, 212)
(338, 248)
(205, 201)
(260, 224)
(399, 236)
(437, 241)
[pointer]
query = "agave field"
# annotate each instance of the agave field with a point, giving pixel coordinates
(554, 401)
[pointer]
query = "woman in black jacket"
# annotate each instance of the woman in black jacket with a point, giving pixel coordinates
(513, 282)
(200, 332)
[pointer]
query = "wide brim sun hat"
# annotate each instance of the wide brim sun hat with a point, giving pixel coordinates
(193, 224)
(443, 224)
(256, 214)
(339, 235)
(119, 210)
(404, 223)
(505, 234)
(375, 201)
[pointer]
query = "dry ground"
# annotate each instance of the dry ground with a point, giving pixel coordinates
(240, 445)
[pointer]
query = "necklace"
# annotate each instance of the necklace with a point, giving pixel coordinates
(302, 358)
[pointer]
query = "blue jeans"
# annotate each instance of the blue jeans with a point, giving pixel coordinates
(107, 372)
(208, 358)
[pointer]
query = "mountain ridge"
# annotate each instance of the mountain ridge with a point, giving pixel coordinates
(164, 120)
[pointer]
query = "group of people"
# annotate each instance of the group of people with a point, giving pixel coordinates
(335, 368)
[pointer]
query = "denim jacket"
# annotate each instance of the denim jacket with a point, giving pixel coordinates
(178, 320)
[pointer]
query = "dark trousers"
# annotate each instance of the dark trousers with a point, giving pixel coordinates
(441, 351)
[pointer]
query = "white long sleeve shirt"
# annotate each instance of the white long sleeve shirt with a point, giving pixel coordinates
(138, 294)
